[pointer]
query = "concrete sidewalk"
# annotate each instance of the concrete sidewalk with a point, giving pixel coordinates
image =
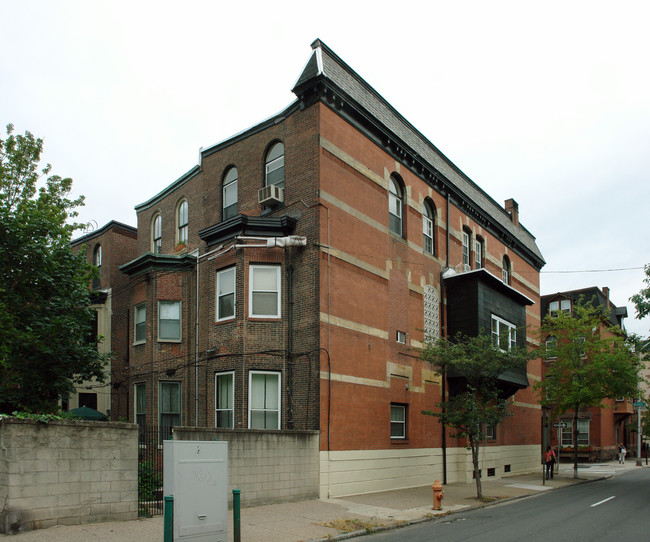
(325, 519)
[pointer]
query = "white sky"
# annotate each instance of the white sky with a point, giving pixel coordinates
(547, 102)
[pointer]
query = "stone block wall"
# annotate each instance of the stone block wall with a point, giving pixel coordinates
(267, 466)
(66, 473)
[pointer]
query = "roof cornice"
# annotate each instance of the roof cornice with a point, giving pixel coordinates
(317, 84)
(158, 262)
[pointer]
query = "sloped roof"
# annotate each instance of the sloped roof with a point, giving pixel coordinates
(326, 69)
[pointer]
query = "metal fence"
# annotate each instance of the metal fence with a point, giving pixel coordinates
(150, 469)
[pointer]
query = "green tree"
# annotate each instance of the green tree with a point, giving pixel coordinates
(45, 314)
(479, 401)
(589, 360)
(642, 299)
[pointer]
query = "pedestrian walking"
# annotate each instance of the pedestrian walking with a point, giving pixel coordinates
(549, 460)
(622, 452)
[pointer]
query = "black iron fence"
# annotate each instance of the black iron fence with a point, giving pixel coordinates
(150, 469)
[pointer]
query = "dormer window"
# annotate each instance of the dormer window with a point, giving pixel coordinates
(564, 305)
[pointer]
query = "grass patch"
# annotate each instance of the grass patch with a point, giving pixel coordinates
(348, 525)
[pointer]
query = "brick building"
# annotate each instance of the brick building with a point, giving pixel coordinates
(107, 248)
(287, 280)
(600, 430)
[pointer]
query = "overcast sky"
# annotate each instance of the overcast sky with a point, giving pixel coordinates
(548, 103)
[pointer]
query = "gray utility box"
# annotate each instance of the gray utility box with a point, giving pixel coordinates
(196, 475)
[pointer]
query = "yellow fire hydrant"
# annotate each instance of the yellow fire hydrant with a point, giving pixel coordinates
(438, 494)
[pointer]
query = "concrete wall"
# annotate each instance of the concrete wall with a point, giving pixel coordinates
(267, 466)
(367, 471)
(66, 473)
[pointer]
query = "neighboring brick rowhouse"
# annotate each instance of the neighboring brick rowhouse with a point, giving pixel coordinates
(66, 473)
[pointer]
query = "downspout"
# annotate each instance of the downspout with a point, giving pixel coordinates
(196, 348)
(290, 347)
(443, 301)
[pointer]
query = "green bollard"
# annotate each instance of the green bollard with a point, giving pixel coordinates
(168, 529)
(236, 519)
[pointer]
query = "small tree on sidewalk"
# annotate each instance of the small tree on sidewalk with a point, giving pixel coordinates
(479, 402)
(588, 361)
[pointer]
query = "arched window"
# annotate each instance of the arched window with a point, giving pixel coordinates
(181, 221)
(97, 258)
(274, 166)
(506, 271)
(467, 236)
(479, 253)
(229, 195)
(428, 222)
(156, 234)
(395, 206)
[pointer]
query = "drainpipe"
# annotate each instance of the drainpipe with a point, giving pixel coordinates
(290, 347)
(443, 302)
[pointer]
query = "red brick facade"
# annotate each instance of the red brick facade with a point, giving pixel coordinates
(344, 346)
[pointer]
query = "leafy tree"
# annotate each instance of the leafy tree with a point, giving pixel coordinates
(479, 402)
(642, 299)
(45, 313)
(589, 360)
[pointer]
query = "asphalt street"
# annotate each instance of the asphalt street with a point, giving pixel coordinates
(613, 509)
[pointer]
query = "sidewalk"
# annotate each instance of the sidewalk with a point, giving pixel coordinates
(325, 519)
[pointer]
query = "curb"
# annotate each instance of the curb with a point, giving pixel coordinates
(386, 528)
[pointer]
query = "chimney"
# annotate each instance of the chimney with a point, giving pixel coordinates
(512, 208)
(606, 293)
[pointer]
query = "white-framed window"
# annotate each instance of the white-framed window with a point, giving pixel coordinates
(140, 407)
(169, 321)
(397, 421)
(564, 305)
(226, 293)
(182, 217)
(140, 322)
(274, 166)
(427, 228)
(97, 258)
(395, 206)
(551, 347)
(264, 399)
(156, 234)
(264, 292)
(583, 432)
(224, 416)
(465, 250)
(504, 334)
(400, 337)
(506, 270)
(478, 254)
(229, 194)
(169, 407)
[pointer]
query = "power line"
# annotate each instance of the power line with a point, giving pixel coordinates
(595, 270)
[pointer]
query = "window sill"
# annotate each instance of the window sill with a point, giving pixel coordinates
(225, 320)
(139, 343)
(172, 341)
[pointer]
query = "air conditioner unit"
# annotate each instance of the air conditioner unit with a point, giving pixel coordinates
(270, 195)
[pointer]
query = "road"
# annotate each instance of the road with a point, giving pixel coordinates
(605, 510)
